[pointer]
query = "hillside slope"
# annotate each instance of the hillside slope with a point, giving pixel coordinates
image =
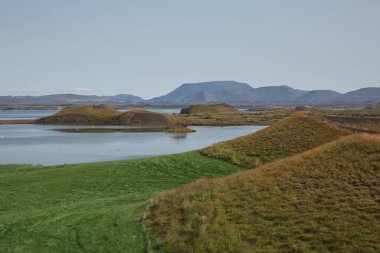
(323, 200)
(290, 136)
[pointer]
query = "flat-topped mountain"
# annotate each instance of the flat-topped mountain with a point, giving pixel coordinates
(226, 91)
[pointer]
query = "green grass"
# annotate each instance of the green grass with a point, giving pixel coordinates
(295, 134)
(323, 200)
(94, 207)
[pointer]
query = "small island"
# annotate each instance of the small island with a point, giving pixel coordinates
(178, 128)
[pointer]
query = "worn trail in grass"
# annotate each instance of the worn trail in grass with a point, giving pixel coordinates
(95, 207)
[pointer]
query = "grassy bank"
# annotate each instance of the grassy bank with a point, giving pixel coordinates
(94, 207)
(287, 137)
(324, 200)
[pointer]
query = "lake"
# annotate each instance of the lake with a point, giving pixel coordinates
(25, 114)
(42, 144)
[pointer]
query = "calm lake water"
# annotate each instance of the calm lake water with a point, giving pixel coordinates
(25, 114)
(40, 144)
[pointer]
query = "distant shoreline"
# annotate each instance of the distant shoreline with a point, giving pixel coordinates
(62, 107)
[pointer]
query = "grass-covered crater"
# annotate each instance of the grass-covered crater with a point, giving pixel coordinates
(323, 200)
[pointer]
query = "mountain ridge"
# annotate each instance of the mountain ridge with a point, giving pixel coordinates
(68, 98)
(232, 92)
(243, 94)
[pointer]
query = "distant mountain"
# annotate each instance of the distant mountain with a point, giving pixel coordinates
(242, 94)
(276, 94)
(228, 92)
(318, 97)
(124, 98)
(231, 92)
(69, 99)
(218, 91)
(368, 95)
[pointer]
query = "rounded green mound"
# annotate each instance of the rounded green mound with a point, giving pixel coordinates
(208, 108)
(323, 200)
(178, 128)
(105, 115)
(142, 118)
(287, 137)
(94, 115)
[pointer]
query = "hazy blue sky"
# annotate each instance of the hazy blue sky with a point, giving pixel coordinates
(148, 48)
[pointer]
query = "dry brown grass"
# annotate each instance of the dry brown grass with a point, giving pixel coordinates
(323, 200)
(357, 124)
(290, 136)
(356, 119)
(232, 119)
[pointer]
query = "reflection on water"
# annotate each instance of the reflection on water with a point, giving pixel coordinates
(179, 136)
(39, 144)
(97, 130)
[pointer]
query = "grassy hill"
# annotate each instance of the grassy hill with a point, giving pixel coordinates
(323, 200)
(212, 115)
(105, 115)
(95, 115)
(178, 128)
(287, 137)
(94, 207)
(208, 108)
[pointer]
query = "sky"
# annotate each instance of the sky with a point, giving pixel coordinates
(149, 47)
